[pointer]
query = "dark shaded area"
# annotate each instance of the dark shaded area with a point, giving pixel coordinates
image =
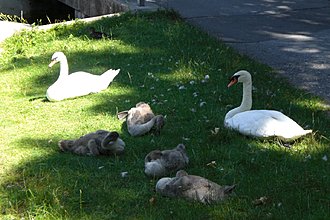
(49, 11)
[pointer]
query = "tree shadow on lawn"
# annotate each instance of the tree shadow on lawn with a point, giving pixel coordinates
(72, 186)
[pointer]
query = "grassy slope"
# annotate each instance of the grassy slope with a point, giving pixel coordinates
(156, 53)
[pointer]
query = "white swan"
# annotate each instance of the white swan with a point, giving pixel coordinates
(259, 123)
(77, 83)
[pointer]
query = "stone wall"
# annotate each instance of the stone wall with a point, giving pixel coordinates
(90, 8)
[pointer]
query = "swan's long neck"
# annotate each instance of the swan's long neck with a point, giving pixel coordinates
(64, 68)
(246, 101)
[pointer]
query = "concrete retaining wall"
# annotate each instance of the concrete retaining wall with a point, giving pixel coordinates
(92, 8)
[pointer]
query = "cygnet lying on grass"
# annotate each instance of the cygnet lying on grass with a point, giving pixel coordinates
(96, 143)
(192, 187)
(160, 163)
(141, 119)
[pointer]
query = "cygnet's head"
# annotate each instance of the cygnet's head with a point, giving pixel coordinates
(113, 142)
(162, 183)
(154, 168)
(181, 147)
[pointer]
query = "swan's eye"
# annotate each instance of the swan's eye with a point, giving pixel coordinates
(234, 78)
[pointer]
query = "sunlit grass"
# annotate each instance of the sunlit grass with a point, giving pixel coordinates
(164, 62)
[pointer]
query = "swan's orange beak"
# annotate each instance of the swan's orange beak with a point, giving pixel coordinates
(52, 63)
(233, 80)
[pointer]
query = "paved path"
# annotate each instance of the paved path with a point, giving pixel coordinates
(291, 36)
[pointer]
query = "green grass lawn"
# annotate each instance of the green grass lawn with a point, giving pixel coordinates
(157, 53)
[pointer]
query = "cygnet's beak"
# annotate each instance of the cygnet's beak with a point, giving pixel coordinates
(52, 63)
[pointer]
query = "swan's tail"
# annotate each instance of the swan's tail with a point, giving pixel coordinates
(303, 133)
(307, 132)
(295, 135)
(108, 77)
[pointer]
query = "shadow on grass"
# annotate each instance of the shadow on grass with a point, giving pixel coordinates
(72, 186)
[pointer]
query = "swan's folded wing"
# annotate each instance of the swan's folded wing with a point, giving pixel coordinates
(265, 123)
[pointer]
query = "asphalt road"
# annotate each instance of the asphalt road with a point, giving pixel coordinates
(293, 36)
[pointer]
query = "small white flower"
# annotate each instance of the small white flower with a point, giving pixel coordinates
(169, 89)
(127, 101)
(185, 139)
(152, 88)
(212, 163)
(206, 77)
(192, 82)
(325, 158)
(193, 110)
(101, 167)
(215, 131)
(195, 94)
(202, 104)
(182, 87)
(124, 174)
(150, 74)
